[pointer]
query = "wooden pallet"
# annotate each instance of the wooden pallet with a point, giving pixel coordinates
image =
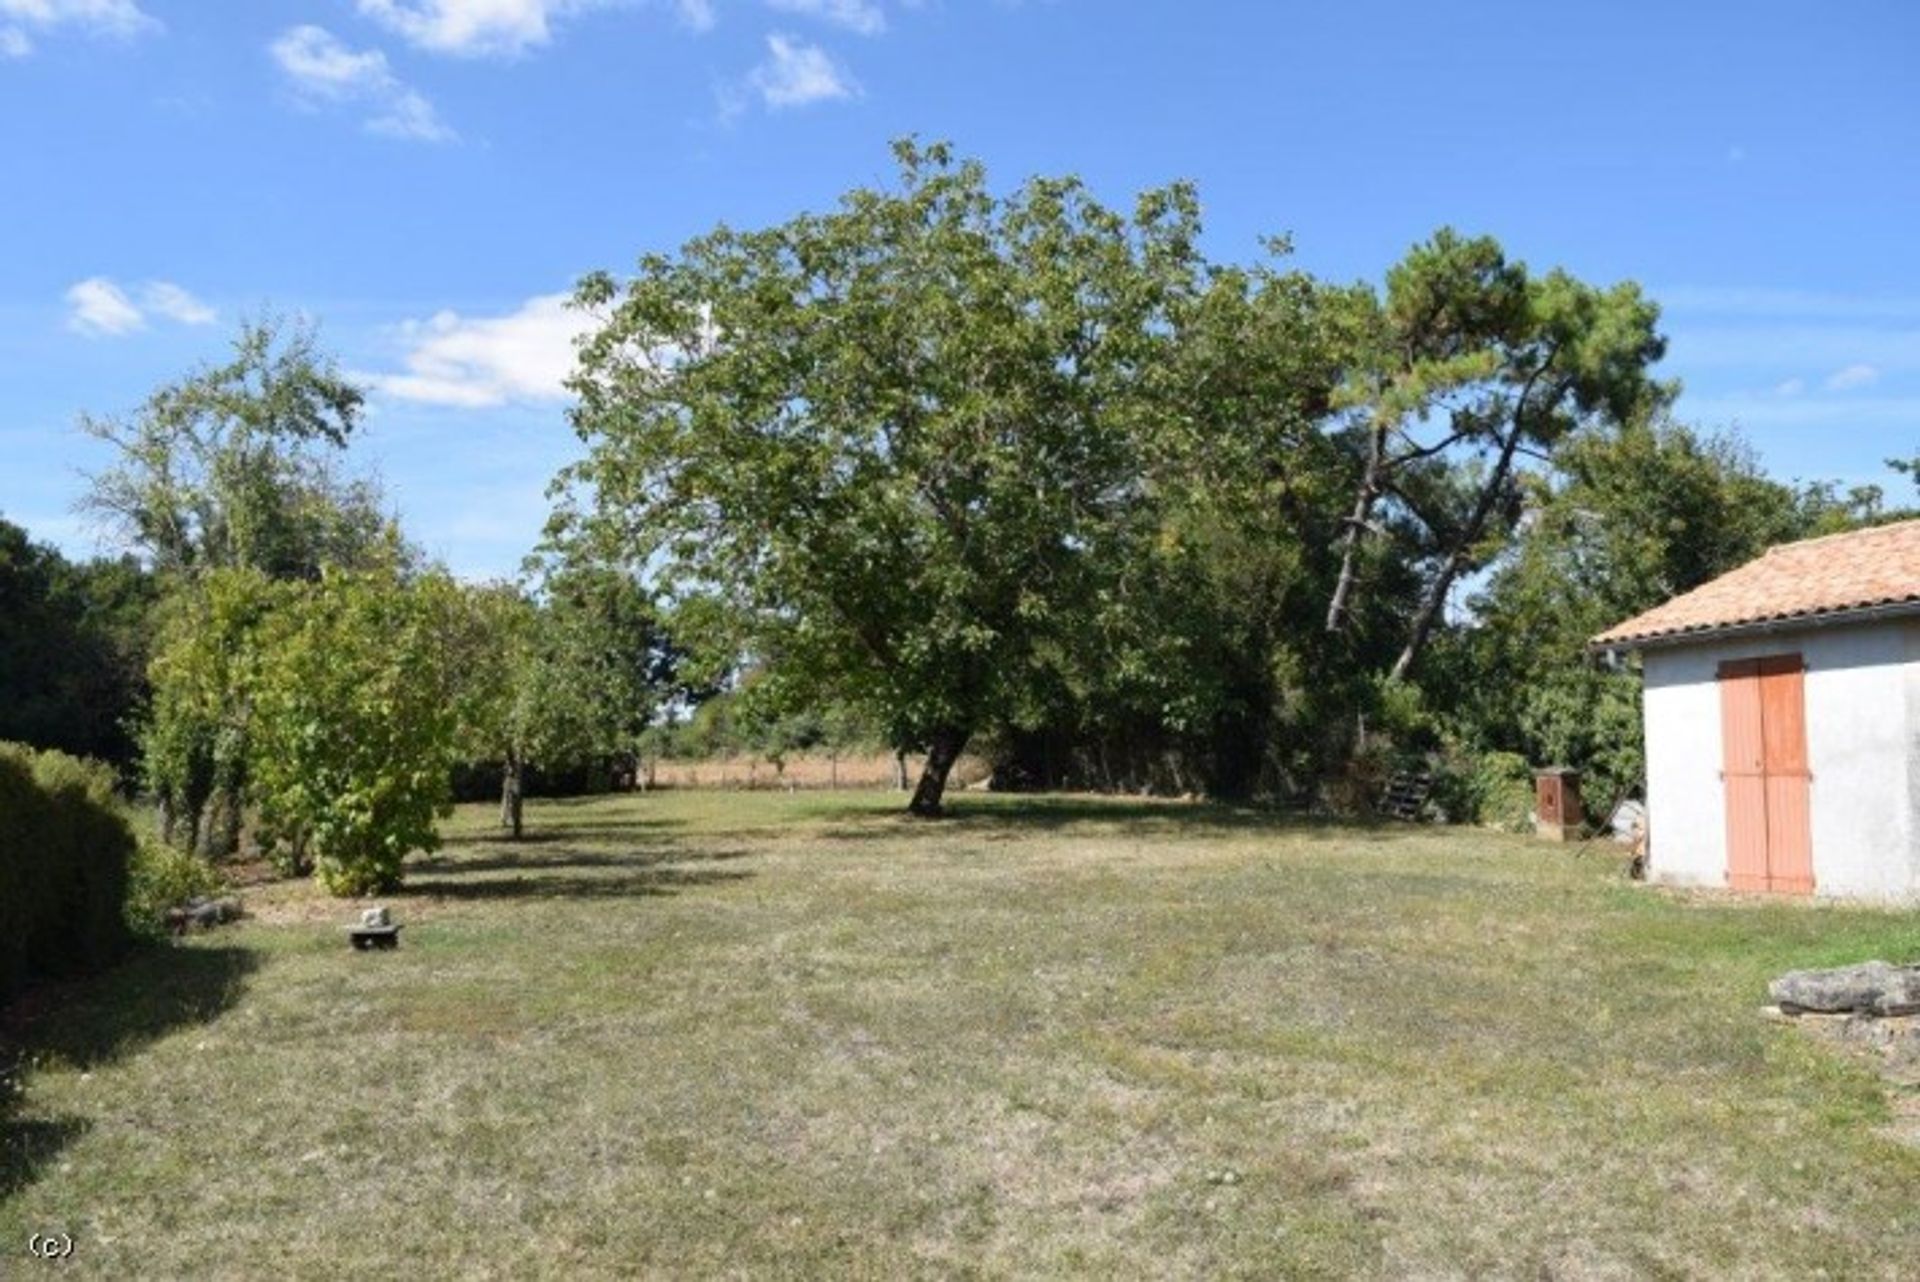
(1406, 794)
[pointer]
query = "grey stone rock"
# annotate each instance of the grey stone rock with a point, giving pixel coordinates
(203, 914)
(1871, 988)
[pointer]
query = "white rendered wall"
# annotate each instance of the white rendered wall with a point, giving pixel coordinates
(1863, 747)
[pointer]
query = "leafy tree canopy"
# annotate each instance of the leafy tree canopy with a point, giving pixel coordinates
(234, 465)
(894, 444)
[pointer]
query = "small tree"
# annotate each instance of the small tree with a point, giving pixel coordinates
(568, 678)
(355, 721)
(194, 739)
(232, 470)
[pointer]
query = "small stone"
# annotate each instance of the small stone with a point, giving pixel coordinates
(1231, 1177)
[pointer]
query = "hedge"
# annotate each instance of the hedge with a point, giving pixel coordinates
(64, 854)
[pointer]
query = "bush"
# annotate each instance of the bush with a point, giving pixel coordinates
(164, 877)
(1500, 785)
(1494, 789)
(64, 855)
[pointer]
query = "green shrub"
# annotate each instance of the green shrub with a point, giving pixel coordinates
(1501, 785)
(164, 877)
(1494, 789)
(64, 855)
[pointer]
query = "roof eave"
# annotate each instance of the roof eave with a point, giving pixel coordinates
(1758, 627)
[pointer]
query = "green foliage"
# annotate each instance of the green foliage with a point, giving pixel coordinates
(896, 445)
(229, 473)
(73, 638)
(566, 680)
(195, 739)
(1492, 789)
(1502, 365)
(64, 854)
(161, 877)
(229, 467)
(355, 720)
(1097, 500)
(1909, 467)
(1629, 518)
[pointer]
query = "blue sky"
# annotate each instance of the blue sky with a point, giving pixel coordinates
(423, 177)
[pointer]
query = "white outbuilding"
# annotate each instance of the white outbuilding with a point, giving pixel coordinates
(1782, 706)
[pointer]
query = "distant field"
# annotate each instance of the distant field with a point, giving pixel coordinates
(811, 770)
(702, 1034)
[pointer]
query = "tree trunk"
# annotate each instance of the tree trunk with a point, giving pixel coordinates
(1442, 585)
(232, 816)
(512, 793)
(899, 769)
(1340, 606)
(943, 749)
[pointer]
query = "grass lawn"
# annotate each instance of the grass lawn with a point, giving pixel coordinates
(762, 1035)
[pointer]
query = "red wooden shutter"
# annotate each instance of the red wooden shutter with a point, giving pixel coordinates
(1783, 720)
(1743, 751)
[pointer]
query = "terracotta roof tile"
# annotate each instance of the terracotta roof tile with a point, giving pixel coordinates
(1819, 577)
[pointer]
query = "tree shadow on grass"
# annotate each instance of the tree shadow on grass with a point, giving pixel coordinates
(86, 1023)
(1009, 815)
(641, 880)
(560, 834)
(533, 862)
(29, 1145)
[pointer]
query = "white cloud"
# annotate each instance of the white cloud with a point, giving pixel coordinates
(697, 14)
(1792, 387)
(481, 361)
(99, 308)
(1855, 375)
(323, 69)
(863, 16)
(321, 65)
(175, 303)
(482, 28)
(20, 19)
(796, 74)
(410, 116)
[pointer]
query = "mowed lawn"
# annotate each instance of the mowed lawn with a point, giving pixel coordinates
(768, 1035)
